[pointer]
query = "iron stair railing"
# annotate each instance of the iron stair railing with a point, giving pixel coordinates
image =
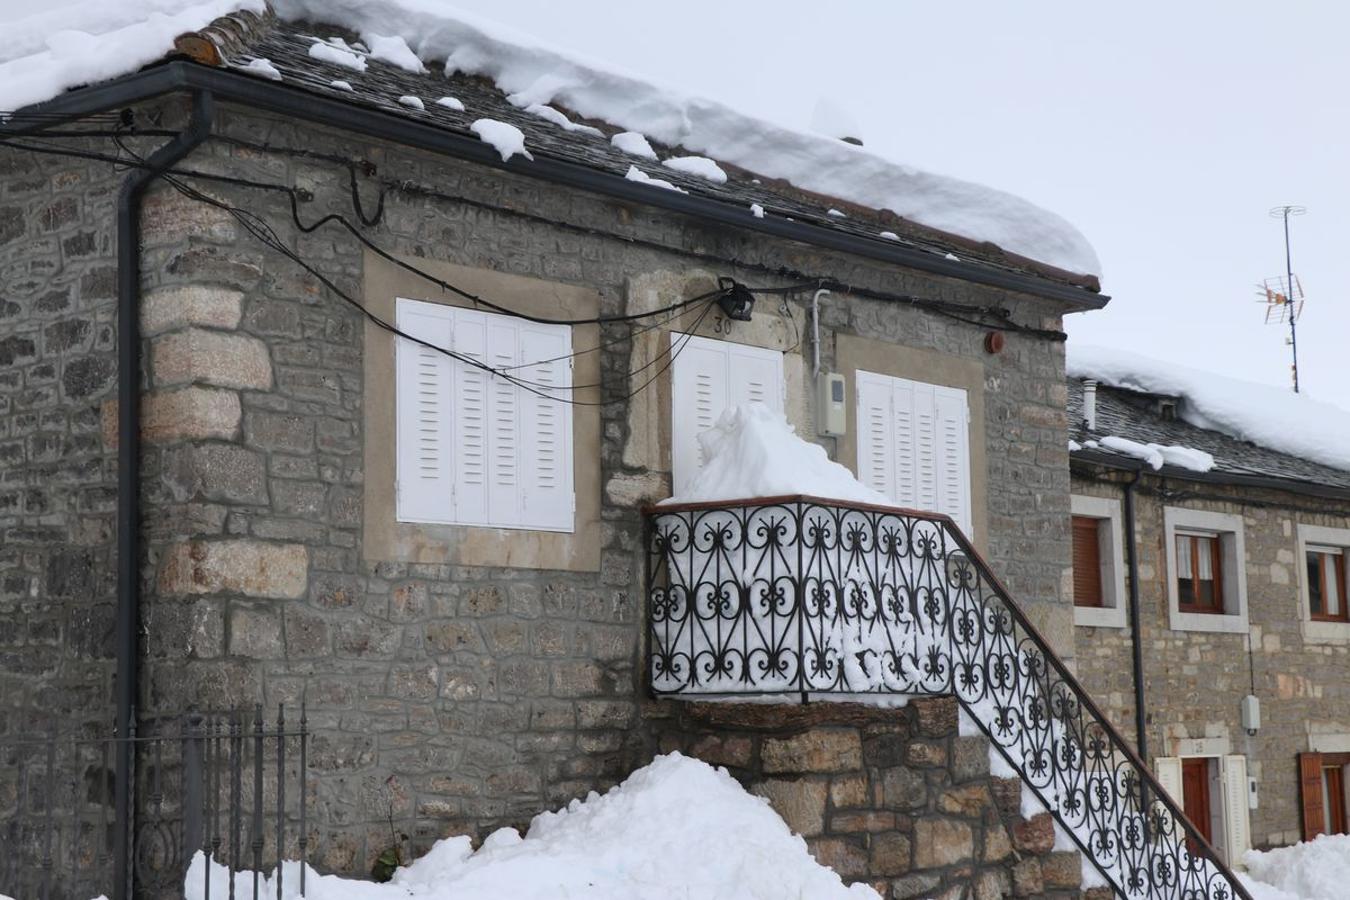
(801, 596)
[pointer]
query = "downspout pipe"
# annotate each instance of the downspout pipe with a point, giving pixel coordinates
(129, 468)
(1136, 640)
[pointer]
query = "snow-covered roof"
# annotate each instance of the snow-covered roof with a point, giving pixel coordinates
(1246, 428)
(398, 49)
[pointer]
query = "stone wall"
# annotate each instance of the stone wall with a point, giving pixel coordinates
(892, 797)
(57, 474)
(1194, 682)
(452, 697)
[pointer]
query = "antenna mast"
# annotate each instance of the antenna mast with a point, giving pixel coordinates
(1284, 295)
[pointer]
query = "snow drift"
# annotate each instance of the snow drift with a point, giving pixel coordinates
(1314, 870)
(1272, 417)
(92, 41)
(675, 829)
(752, 451)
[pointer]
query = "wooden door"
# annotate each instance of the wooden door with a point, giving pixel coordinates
(1195, 798)
(1335, 787)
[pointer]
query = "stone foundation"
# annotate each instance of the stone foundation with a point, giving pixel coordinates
(892, 797)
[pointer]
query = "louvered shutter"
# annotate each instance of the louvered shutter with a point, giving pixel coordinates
(1310, 795)
(1087, 562)
(1168, 770)
(708, 376)
(471, 405)
(546, 463)
(876, 439)
(905, 443)
(423, 428)
(1237, 824)
(504, 425)
(952, 450)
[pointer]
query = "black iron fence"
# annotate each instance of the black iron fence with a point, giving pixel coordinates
(800, 596)
(215, 794)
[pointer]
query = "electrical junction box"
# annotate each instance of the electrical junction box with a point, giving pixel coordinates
(1251, 713)
(831, 414)
(1251, 793)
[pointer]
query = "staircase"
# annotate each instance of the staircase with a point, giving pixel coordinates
(807, 597)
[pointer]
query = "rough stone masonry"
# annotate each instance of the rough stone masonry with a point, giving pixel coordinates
(448, 696)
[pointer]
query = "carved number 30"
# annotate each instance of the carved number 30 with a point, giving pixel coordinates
(721, 325)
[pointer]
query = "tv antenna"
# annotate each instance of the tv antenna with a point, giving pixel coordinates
(1283, 294)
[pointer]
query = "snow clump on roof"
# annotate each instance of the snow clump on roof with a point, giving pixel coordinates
(634, 143)
(393, 50)
(507, 138)
(636, 174)
(697, 165)
(1273, 417)
(327, 52)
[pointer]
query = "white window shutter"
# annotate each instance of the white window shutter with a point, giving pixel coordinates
(504, 425)
(925, 447)
(1236, 815)
(471, 410)
(546, 426)
(1168, 770)
(876, 441)
(953, 456)
(423, 429)
(904, 442)
(708, 376)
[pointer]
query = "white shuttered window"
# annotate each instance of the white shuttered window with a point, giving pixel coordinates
(478, 449)
(914, 444)
(709, 376)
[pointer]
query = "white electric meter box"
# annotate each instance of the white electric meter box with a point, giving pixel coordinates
(1251, 713)
(831, 414)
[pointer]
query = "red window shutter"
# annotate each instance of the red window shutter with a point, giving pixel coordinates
(1310, 791)
(1087, 562)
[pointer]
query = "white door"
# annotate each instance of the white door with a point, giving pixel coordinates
(708, 377)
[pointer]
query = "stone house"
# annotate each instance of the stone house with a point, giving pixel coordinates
(248, 490)
(1243, 640)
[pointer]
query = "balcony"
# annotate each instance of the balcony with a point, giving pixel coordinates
(798, 597)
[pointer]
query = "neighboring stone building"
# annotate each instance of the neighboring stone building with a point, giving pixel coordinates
(1258, 609)
(467, 660)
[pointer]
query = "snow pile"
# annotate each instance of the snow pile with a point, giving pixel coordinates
(675, 829)
(1269, 416)
(697, 165)
(636, 174)
(549, 114)
(326, 52)
(58, 47)
(341, 85)
(393, 50)
(412, 102)
(1157, 456)
(1314, 870)
(533, 72)
(752, 451)
(505, 137)
(261, 67)
(634, 143)
(451, 103)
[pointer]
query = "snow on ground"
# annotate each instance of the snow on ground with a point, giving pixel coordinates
(1314, 870)
(752, 451)
(1272, 417)
(675, 829)
(505, 137)
(636, 174)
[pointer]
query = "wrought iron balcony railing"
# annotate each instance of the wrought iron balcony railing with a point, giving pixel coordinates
(798, 596)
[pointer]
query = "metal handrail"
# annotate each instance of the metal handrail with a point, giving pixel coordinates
(1155, 825)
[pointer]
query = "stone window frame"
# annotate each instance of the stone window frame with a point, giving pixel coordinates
(1315, 631)
(1111, 614)
(1229, 527)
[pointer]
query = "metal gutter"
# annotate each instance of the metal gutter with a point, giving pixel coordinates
(1305, 488)
(372, 123)
(129, 470)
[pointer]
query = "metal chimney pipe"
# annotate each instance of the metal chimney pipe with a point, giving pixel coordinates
(1090, 404)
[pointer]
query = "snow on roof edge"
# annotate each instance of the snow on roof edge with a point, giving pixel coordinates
(1271, 417)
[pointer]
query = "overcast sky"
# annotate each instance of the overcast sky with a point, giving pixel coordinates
(1163, 131)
